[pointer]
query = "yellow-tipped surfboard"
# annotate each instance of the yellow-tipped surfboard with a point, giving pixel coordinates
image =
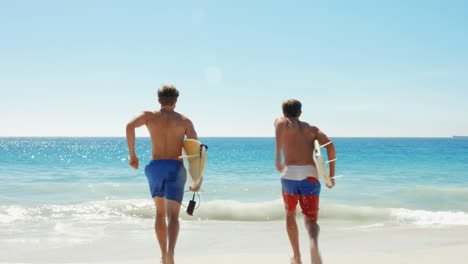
(195, 153)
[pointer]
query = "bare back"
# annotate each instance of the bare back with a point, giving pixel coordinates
(167, 130)
(296, 140)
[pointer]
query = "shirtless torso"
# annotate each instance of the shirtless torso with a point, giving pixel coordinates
(168, 130)
(295, 139)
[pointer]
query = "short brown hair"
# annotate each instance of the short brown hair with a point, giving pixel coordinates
(168, 94)
(292, 108)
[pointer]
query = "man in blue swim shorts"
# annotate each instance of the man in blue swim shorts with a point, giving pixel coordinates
(299, 181)
(165, 172)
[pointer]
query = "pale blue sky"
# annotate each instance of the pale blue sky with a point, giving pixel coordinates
(361, 68)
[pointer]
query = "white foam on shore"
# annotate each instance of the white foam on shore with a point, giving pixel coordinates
(421, 217)
(227, 210)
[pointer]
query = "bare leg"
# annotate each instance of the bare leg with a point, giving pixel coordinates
(172, 211)
(313, 229)
(293, 234)
(160, 226)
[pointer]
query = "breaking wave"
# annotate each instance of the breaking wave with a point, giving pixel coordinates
(226, 210)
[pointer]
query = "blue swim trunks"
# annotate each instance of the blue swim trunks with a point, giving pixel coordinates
(166, 178)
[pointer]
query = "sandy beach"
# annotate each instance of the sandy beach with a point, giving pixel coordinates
(259, 242)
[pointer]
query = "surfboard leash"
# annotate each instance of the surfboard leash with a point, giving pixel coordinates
(192, 203)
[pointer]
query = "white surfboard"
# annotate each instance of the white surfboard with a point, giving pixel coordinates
(194, 155)
(320, 163)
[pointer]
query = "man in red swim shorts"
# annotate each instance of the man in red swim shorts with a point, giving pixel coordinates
(295, 139)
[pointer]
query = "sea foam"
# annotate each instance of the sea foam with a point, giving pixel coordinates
(227, 210)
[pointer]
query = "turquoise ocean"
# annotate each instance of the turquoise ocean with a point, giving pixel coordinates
(64, 187)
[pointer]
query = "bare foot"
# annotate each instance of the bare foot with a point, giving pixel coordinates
(169, 259)
(296, 260)
(163, 260)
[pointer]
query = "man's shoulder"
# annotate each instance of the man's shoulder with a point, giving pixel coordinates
(182, 116)
(306, 124)
(159, 113)
(150, 114)
(280, 121)
(309, 126)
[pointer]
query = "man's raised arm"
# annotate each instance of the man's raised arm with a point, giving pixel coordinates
(137, 121)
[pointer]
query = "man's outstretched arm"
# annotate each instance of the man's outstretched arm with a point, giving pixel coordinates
(137, 121)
